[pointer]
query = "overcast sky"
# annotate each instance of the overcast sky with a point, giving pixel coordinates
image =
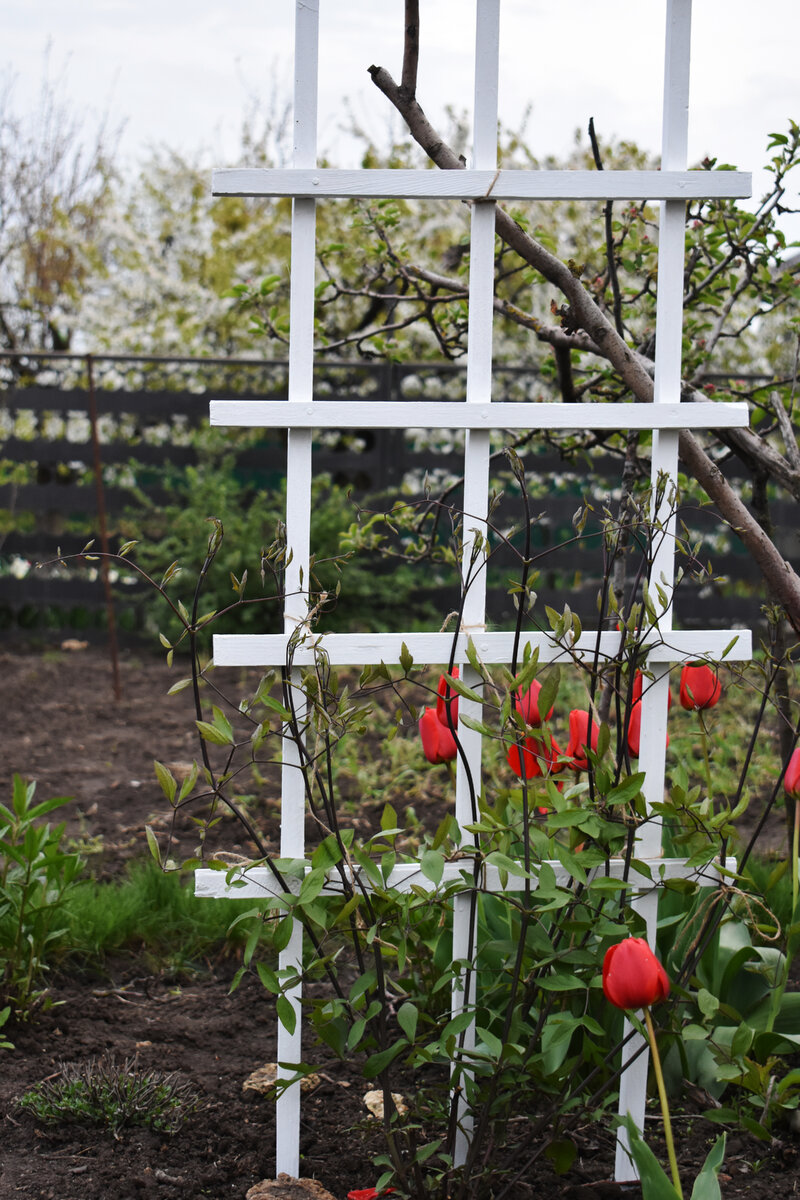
(180, 71)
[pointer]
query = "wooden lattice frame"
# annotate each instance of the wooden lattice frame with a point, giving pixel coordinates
(300, 415)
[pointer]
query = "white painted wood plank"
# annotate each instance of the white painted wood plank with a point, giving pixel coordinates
(475, 505)
(249, 883)
(669, 324)
(364, 649)
(298, 522)
(485, 91)
(414, 414)
(431, 184)
(677, 63)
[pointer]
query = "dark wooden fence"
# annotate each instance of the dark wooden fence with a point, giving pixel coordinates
(120, 410)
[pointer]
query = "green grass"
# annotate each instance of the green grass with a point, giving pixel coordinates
(152, 915)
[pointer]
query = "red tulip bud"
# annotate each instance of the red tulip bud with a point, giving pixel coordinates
(791, 780)
(438, 743)
(447, 699)
(632, 975)
(700, 687)
(537, 758)
(528, 705)
(582, 738)
(635, 722)
(370, 1193)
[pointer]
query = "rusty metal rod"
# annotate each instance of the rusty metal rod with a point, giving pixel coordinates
(103, 527)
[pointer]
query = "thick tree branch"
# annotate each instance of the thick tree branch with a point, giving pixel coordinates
(758, 454)
(585, 314)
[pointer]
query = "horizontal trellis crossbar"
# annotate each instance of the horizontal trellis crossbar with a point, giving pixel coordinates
(372, 649)
(481, 185)
(256, 882)
(455, 414)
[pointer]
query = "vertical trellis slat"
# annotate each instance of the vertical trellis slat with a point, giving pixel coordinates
(476, 489)
(298, 534)
(669, 324)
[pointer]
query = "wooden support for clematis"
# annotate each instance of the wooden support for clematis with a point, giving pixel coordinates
(300, 414)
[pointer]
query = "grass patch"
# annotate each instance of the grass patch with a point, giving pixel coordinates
(113, 1096)
(154, 915)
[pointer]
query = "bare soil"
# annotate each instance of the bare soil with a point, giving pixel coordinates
(62, 727)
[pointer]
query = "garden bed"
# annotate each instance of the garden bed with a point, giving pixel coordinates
(63, 729)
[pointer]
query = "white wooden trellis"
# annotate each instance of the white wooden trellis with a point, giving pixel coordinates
(300, 414)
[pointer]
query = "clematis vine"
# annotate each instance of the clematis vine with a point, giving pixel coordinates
(447, 700)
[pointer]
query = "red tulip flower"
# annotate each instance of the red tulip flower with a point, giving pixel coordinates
(447, 700)
(368, 1193)
(635, 722)
(700, 687)
(582, 738)
(632, 975)
(634, 978)
(528, 705)
(537, 758)
(438, 743)
(791, 780)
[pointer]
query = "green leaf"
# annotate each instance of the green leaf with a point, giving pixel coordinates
(379, 1062)
(179, 686)
(312, 885)
(706, 1186)
(269, 979)
(627, 789)
(187, 787)
(407, 1017)
(167, 781)
(472, 656)
(286, 1014)
(152, 842)
(211, 733)
(549, 692)
(561, 1154)
(275, 706)
(432, 866)
(406, 658)
(707, 1003)
(655, 1183)
(283, 933)
(504, 863)
(461, 689)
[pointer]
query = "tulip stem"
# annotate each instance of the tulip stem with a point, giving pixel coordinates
(795, 849)
(662, 1095)
(706, 756)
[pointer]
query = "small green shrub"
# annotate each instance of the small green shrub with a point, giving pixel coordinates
(35, 877)
(102, 1092)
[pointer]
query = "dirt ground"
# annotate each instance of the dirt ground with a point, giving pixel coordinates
(62, 728)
